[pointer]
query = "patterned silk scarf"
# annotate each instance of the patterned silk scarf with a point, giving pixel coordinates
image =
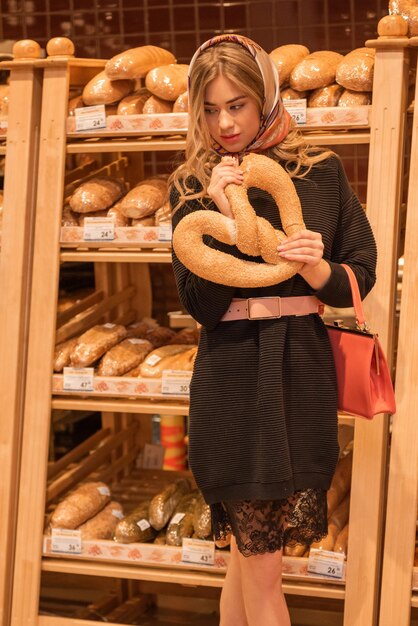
(275, 120)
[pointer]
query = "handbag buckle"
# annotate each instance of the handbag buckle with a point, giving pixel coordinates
(270, 315)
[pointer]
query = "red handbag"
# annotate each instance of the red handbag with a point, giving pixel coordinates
(363, 379)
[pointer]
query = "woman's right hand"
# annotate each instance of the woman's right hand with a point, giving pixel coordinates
(226, 172)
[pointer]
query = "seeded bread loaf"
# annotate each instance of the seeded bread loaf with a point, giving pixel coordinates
(286, 57)
(316, 70)
(92, 344)
(123, 357)
(145, 198)
(356, 70)
(80, 505)
(103, 524)
(350, 98)
(97, 194)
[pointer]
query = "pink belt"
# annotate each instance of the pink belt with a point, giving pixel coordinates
(271, 307)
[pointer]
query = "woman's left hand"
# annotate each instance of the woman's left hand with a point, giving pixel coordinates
(305, 246)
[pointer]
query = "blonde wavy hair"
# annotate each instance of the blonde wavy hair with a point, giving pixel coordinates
(235, 63)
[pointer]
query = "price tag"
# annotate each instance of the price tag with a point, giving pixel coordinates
(99, 229)
(153, 359)
(198, 551)
(4, 124)
(66, 541)
(116, 513)
(297, 109)
(326, 563)
(143, 524)
(176, 519)
(176, 382)
(78, 379)
(90, 118)
(104, 491)
(165, 231)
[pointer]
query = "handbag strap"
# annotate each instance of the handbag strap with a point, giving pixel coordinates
(355, 292)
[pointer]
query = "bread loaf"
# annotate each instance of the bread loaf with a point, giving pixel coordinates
(119, 218)
(341, 482)
(160, 538)
(285, 58)
(92, 344)
(68, 217)
(156, 106)
(103, 524)
(350, 98)
(159, 336)
(123, 357)
(136, 527)
(140, 329)
(328, 542)
(202, 521)
(145, 198)
(144, 222)
(341, 543)
(80, 505)
(137, 62)
(325, 96)
(101, 90)
(134, 103)
(356, 70)
(183, 361)
(97, 194)
(409, 10)
(339, 516)
(62, 354)
(163, 214)
(292, 94)
(181, 105)
(180, 525)
(163, 504)
(316, 70)
(161, 359)
(297, 549)
(167, 81)
(186, 336)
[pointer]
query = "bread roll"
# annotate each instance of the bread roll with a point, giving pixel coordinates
(145, 198)
(167, 81)
(157, 105)
(101, 90)
(161, 359)
(325, 96)
(202, 520)
(75, 103)
(180, 525)
(134, 103)
(119, 218)
(350, 98)
(286, 57)
(316, 70)
(136, 527)
(97, 194)
(124, 357)
(92, 344)
(356, 70)
(80, 505)
(292, 94)
(181, 105)
(137, 62)
(62, 354)
(103, 524)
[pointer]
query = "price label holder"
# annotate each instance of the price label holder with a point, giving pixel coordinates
(297, 109)
(198, 551)
(78, 378)
(326, 563)
(4, 124)
(64, 541)
(165, 232)
(90, 118)
(99, 229)
(176, 382)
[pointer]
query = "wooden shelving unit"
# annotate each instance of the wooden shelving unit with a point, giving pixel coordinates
(21, 151)
(386, 138)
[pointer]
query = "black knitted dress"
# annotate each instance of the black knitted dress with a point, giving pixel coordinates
(263, 408)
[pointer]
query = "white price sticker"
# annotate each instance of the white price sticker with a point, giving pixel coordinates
(90, 118)
(78, 379)
(153, 359)
(198, 551)
(326, 563)
(104, 491)
(176, 519)
(66, 541)
(143, 524)
(165, 232)
(297, 109)
(176, 382)
(116, 513)
(99, 229)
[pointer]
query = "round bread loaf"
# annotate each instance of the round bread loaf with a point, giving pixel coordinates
(286, 57)
(325, 96)
(356, 70)
(181, 105)
(316, 70)
(292, 94)
(350, 98)
(134, 103)
(157, 105)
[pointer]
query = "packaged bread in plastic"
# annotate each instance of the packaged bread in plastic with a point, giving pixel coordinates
(80, 505)
(316, 70)
(356, 70)
(101, 90)
(119, 218)
(341, 542)
(202, 520)
(291, 94)
(62, 354)
(341, 482)
(134, 103)
(162, 359)
(160, 336)
(180, 525)
(92, 344)
(103, 524)
(162, 506)
(187, 336)
(137, 62)
(184, 361)
(163, 214)
(97, 194)
(123, 357)
(136, 527)
(181, 104)
(325, 96)
(145, 198)
(68, 217)
(409, 11)
(350, 98)
(75, 103)
(157, 105)
(167, 81)
(141, 328)
(286, 57)
(144, 222)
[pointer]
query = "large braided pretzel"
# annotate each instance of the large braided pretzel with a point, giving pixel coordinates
(252, 235)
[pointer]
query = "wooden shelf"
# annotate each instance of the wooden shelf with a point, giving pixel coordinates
(147, 144)
(113, 405)
(115, 256)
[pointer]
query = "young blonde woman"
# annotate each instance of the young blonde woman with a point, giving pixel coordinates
(263, 408)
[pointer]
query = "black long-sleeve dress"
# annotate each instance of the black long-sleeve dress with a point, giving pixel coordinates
(263, 404)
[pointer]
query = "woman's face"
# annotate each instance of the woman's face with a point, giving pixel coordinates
(233, 118)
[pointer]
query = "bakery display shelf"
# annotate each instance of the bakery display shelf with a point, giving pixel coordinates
(145, 237)
(145, 144)
(110, 255)
(121, 405)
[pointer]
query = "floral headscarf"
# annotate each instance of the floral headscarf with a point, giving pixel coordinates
(275, 120)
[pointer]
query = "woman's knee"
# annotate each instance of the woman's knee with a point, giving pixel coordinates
(264, 571)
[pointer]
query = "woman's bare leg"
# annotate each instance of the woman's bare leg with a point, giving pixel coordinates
(232, 602)
(261, 578)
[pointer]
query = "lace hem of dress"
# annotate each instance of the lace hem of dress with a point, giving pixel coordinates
(261, 526)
